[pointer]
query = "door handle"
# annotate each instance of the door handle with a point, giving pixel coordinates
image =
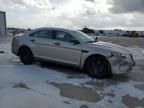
(56, 43)
(32, 40)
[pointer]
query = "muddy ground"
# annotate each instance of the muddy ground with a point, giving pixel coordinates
(46, 85)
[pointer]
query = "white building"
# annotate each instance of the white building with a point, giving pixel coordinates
(2, 24)
(110, 32)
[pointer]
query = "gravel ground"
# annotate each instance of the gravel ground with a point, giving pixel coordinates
(124, 41)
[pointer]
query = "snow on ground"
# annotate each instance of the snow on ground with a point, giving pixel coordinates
(54, 86)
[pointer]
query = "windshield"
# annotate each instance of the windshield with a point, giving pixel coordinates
(83, 37)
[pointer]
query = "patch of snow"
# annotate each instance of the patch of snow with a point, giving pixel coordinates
(120, 90)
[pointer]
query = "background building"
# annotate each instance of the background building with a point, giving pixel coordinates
(13, 31)
(2, 24)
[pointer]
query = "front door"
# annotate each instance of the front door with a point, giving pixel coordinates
(66, 51)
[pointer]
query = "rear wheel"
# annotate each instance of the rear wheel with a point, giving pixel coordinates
(98, 67)
(26, 56)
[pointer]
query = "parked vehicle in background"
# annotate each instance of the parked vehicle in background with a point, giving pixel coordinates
(70, 47)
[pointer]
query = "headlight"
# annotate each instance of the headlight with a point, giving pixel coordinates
(119, 55)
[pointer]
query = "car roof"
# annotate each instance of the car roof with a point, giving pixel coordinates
(51, 28)
(55, 28)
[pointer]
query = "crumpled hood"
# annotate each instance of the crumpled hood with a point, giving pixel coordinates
(112, 47)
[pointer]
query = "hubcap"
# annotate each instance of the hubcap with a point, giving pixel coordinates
(97, 67)
(25, 56)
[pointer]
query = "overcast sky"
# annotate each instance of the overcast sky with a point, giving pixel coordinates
(97, 14)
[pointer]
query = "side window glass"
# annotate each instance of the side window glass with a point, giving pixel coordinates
(63, 36)
(60, 35)
(35, 34)
(46, 34)
(69, 38)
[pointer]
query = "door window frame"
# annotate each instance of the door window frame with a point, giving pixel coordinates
(55, 38)
(30, 35)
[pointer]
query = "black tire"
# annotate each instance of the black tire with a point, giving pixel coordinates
(26, 56)
(98, 67)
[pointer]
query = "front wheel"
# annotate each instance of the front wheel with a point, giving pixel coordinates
(26, 56)
(98, 67)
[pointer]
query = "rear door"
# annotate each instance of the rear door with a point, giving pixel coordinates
(43, 44)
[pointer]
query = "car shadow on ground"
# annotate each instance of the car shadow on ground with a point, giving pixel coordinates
(116, 79)
(77, 73)
(72, 71)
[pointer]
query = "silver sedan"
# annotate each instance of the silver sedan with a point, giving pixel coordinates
(74, 48)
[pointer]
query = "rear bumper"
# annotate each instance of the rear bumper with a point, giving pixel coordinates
(122, 65)
(14, 47)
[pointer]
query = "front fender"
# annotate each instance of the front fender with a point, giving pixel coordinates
(86, 54)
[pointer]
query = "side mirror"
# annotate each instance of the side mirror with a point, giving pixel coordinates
(96, 39)
(74, 42)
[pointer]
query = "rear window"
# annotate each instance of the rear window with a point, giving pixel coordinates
(48, 34)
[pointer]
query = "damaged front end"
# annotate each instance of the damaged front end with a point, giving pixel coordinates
(121, 63)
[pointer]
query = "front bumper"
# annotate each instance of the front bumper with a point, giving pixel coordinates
(123, 64)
